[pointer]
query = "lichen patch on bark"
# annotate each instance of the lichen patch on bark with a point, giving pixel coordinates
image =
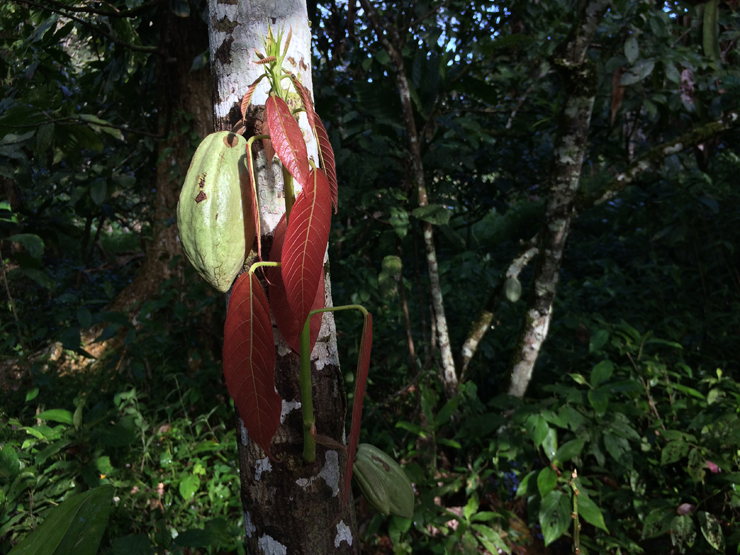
(344, 534)
(262, 465)
(330, 474)
(249, 527)
(243, 433)
(270, 546)
(287, 407)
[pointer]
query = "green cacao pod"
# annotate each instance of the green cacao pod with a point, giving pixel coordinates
(214, 225)
(512, 289)
(383, 482)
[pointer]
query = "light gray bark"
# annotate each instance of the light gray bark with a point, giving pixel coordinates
(290, 508)
(579, 79)
(483, 322)
(393, 47)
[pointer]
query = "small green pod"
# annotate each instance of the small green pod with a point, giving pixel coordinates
(372, 485)
(512, 289)
(210, 216)
(384, 482)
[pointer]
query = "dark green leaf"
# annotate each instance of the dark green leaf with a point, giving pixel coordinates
(550, 444)
(554, 515)
(631, 50)
(188, 486)
(569, 450)
(84, 317)
(433, 213)
(98, 190)
(640, 71)
(33, 244)
(537, 429)
(546, 481)
(56, 415)
(598, 340)
(74, 527)
(599, 399)
(711, 530)
(657, 523)
(591, 512)
(526, 486)
(9, 463)
(601, 372)
(683, 532)
(673, 451)
(446, 412)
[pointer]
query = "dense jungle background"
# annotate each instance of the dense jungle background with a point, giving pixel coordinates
(110, 350)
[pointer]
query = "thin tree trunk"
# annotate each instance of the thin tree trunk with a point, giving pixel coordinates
(579, 78)
(482, 323)
(393, 48)
(289, 507)
(178, 90)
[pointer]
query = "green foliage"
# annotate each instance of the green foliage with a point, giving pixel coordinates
(75, 526)
(626, 391)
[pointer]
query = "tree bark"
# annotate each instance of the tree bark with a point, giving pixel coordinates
(580, 81)
(482, 323)
(178, 91)
(393, 47)
(289, 507)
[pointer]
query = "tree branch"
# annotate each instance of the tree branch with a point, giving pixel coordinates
(108, 13)
(72, 120)
(655, 156)
(95, 28)
(482, 323)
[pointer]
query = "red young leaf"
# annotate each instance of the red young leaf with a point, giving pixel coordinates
(249, 360)
(247, 98)
(286, 321)
(327, 159)
(363, 364)
(306, 98)
(254, 205)
(287, 139)
(305, 244)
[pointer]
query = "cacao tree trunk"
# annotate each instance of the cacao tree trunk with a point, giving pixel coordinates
(179, 91)
(289, 507)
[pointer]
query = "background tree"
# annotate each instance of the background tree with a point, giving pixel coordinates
(634, 389)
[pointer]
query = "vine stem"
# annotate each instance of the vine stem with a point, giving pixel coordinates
(304, 380)
(12, 303)
(574, 514)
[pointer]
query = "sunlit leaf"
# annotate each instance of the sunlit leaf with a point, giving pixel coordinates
(287, 139)
(305, 244)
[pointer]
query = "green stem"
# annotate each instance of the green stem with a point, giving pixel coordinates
(574, 514)
(309, 421)
(256, 265)
(304, 379)
(12, 305)
(289, 193)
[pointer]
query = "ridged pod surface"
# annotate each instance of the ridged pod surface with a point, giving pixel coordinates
(210, 215)
(383, 482)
